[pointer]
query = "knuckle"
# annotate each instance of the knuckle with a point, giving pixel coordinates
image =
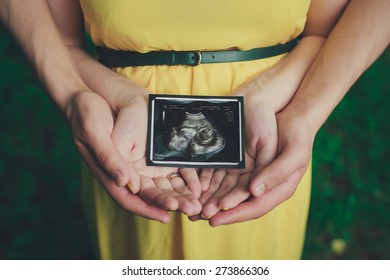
(278, 176)
(78, 143)
(103, 158)
(289, 193)
(86, 133)
(204, 177)
(266, 138)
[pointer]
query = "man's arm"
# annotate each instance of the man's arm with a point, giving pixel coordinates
(360, 36)
(31, 24)
(89, 115)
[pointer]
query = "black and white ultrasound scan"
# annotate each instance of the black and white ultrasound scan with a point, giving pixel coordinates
(196, 131)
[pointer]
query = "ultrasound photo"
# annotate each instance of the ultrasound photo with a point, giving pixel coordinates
(196, 131)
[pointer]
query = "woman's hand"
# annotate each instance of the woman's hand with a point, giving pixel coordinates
(129, 136)
(279, 179)
(114, 149)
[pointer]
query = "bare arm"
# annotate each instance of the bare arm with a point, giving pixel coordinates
(32, 26)
(360, 36)
(89, 115)
(358, 39)
(278, 84)
(265, 96)
(129, 104)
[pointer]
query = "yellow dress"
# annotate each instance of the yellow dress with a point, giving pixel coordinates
(150, 25)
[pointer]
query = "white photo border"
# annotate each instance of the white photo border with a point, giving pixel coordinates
(150, 161)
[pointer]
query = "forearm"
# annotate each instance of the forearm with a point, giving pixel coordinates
(31, 24)
(358, 39)
(114, 88)
(277, 85)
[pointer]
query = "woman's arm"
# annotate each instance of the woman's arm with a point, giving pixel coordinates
(360, 36)
(129, 104)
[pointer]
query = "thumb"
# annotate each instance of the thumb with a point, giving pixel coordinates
(287, 162)
(124, 146)
(107, 157)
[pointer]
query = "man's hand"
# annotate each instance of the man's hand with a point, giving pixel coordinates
(279, 179)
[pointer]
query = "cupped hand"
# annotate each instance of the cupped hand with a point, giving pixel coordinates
(108, 147)
(278, 180)
(227, 188)
(129, 136)
(91, 122)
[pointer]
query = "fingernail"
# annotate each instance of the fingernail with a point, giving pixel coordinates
(118, 179)
(223, 208)
(193, 218)
(204, 217)
(172, 208)
(131, 188)
(259, 189)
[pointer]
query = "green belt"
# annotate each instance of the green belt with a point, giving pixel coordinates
(114, 58)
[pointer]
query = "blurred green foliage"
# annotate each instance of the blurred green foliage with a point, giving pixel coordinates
(351, 196)
(40, 209)
(40, 206)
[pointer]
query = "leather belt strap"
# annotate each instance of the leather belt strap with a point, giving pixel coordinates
(116, 58)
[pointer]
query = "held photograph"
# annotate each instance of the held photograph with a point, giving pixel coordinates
(200, 131)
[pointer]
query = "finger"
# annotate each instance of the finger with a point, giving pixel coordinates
(259, 206)
(91, 122)
(188, 204)
(124, 143)
(238, 194)
(135, 204)
(122, 196)
(191, 179)
(125, 150)
(195, 218)
(266, 151)
(212, 205)
(158, 196)
(214, 185)
(180, 187)
(151, 171)
(289, 161)
(107, 156)
(205, 176)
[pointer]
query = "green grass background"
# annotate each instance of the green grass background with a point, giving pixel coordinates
(40, 209)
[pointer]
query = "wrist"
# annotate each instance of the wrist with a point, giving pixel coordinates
(256, 93)
(277, 85)
(123, 94)
(117, 90)
(311, 118)
(63, 93)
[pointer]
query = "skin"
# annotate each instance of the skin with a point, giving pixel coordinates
(129, 108)
(128, 102)
(357, 40)
(99, 128)
(107, 113)
(265, 97)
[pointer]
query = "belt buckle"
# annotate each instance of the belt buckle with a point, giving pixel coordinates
(198, 58)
